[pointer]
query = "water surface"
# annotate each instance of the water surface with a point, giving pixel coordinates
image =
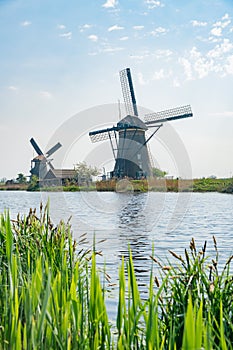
(144, 220)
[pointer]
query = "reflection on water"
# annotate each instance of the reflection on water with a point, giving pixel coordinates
(132, 218)
(143, 220)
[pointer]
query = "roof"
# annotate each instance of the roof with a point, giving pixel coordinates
(60, 174)
(132, 121)
(40, 157)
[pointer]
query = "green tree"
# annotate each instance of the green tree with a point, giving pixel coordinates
(85, 172)
(34, 183)
(158, 173)
(21, 179)
(3, 180)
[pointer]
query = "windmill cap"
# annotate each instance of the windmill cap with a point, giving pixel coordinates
(131, 121)
(40, 157)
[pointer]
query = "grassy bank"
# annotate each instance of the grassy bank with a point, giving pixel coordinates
(51, 296)
(167, 185)
(14, 187)
(128, 185)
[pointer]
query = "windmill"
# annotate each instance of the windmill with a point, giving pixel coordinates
(39, 164)
(128, 138)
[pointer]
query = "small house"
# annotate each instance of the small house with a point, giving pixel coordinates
(58, 177)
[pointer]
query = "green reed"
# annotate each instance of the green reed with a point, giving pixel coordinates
(51, 296)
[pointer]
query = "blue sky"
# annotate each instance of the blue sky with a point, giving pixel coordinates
(59, 58)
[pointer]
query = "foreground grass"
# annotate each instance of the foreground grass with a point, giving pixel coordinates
(51, 296)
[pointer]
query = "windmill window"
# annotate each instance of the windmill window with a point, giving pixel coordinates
(139, 156)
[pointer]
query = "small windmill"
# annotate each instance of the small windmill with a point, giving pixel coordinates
(128, 137)
(40, 164)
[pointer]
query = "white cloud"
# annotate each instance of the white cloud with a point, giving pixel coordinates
(194, 53)
(92, 53)
(67, 35)
(218, 60)
(158, 54)
(115, 27)
(61, 26)
(214, 39)
(110, 4)
(163, 53)
(159, 30)
(141, 79)
(218, 51)
(198, 65)
(154, 3)
(106, 48)
(219, 26)
(85, 27)
(25, 23)
(176, 82)
(112, 49)
(46, 94)
(217, 31)
(225, 24)
(222, 24)
(93, 37)
(13, 88)
(187, 67)
(229, 65)
(226, 16)
(203, 67)
(138, 27)
(124, 38)
(196, 23)
(158, 75)
(138, 57)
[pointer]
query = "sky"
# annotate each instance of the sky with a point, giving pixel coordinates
(59, 59)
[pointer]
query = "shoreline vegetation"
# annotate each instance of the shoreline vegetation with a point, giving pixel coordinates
(128, 185)
(52, 294)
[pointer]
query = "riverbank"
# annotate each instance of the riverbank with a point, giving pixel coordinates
(53, 289)
(14, 187)
(167, 185)
(127, 185)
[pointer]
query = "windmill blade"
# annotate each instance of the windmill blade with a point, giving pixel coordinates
(168, 115)
(36, 147)
(50, 164)
(128, 92)
(53, 149)
(104, 134)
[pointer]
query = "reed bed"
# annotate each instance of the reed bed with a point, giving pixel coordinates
(51, 295)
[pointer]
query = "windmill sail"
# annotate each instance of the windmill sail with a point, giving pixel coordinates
(128, 92)
(36, 147)
(53, 149)
(101, 135)
(168, 115)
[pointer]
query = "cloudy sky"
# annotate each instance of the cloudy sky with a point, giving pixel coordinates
(59, 58)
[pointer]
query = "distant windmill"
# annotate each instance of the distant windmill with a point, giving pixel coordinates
(128, 139)
(40, 162)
